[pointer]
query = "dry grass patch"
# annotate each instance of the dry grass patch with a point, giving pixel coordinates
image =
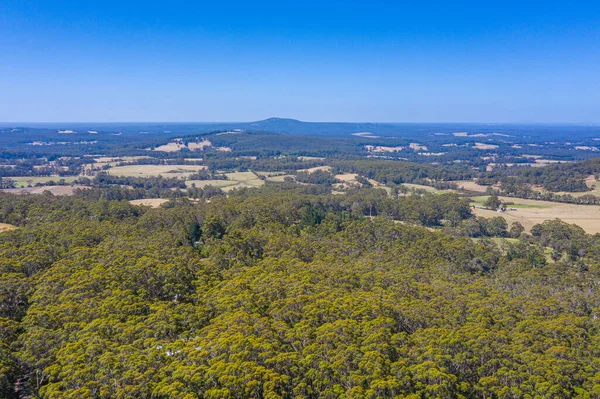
(170, 147)
(532, 212)
(347, 177)
(310, 170)
(181, 171)
(6, 227)
(418, 147)
(470, 185)
(483, 146)
(381, 149)
(55, 190)
(427, 188)
(234, 180)
(151, 202)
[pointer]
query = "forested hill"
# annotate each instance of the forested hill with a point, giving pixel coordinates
(562, 177)
(289, 293)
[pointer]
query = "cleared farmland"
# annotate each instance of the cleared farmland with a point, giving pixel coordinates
(26, 181)
(182, 171)
(234, 180)
(56, 190)
(532, 212)
(6, 227)
(152, 202)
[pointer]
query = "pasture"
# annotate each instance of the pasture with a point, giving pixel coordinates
(311, 170)
(6, 227)
(429, 189)
(55, 190)
(276, 177)
(470, 185)
(151, 202)
(181, 171)
(532, 212)
(234, 180)
(29, 181)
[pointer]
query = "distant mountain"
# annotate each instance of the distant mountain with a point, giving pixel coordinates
(300, 128)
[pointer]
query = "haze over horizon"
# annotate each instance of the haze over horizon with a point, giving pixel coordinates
(443, 62)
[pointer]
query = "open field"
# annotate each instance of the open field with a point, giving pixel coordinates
(101, 162)
(276, 177)
(152, 202)
(214, 183)
(56, 190)
(347, 177)
(380, 148)
(120, 159)
(427, 188)
(310, 170)
(234, 180)
(6, 227)
(532, 212)
(26, 181)
(594, 184)
(591, 182)
(181, 171)
(483, 146)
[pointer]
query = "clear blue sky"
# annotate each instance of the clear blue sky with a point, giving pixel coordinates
(394, 61)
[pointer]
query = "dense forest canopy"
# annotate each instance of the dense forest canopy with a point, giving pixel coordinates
(287, 291)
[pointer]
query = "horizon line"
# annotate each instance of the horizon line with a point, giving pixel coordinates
(304, 121)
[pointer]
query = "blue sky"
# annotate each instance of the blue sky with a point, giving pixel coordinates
(425, 61)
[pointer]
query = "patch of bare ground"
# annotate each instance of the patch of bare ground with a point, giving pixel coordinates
(151, 202)
(532, 212)
(56, 190)
(6, 227)
(310, 170)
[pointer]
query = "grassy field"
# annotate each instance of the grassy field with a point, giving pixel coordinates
(470, 185)
(516, 202)
(427, 188)
(26, 181)
(152, 202)
(277, 177)
(6, 227)
(56, 190)
(181, 171)
(120, 159)
(234, 180)
(532, 212)
(310, 170)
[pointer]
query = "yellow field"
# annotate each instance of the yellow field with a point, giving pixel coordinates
(532, 212)
(347, 177)
(427, 188)
(277, 177)
(471, 186)
(483, 146)
(310, 170)
(180, 171)
(56, 190)
(120, 159)
(235, 180)
(6, 227)
(152, 202)
(214, 183)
